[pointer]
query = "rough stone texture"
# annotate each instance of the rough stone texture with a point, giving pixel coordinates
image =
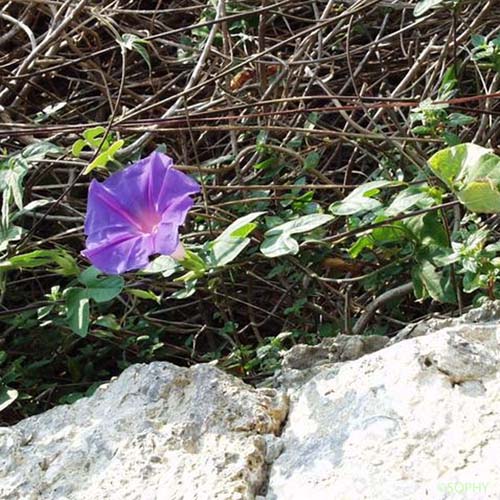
(332, 350)
(303, 361)
(417, 420)
(489, 313)
(157, 432)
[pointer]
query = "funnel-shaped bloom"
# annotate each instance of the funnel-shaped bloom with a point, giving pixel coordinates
(136, 213)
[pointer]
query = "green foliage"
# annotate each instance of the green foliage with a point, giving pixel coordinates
(472, 173)
(278, 240)
(224, 249)
(314, 204)
(361, 199)
(233, 240)
(265, 358)
(474, 259)
(432, 119)
(95, 139)
(486, 51)
(133, 42)
(193, 43)
(424, 6)
(64, 263)
(96, 287)
(13, 170)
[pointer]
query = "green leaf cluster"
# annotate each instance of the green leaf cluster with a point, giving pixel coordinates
(472, 173)
(95, 138)
(96, 287)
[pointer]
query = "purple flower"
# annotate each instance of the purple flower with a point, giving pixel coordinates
(136, 213)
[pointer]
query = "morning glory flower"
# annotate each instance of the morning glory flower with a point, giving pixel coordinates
(136, 213)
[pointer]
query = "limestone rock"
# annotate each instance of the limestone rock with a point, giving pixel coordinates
(302, 361)
(488, 314)
(417, 420)
(416, 417)
(157, 432)
(332, 350)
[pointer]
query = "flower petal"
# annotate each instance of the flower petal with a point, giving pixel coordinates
(105, 214)
(135, 213)
(179, 253)
(177, 211)
(175, 187)
(166, 238)
(138, 186)
(124, 252)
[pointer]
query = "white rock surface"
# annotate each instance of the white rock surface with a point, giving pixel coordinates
(158, 432)
(417, 420)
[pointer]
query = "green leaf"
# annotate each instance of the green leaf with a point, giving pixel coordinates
(7, 396)
(77, 310)
(312, 160)
(459, 119)
(278, 240)
(269, 162)
(37, 258)
(406, 199)
(187, 291)
(481, 196)
(276, 246)
(312, 120)
(12, 233)
(31, 206)
(303, 224)
(11, 183)
(448, 84)
(430, 105)
(437, 284)
(478, 40)
(144, 294)
(105, 157)
(427, 230)
(393, 233)
(233, 240)
(77, 148)
(365, 241)
(98, 288)
(194, 263)
(163, 264)
(93, 136)
(424, 5)
(133, 42)
(101, 288)
(39, 150)
(360, 200)
(450, 138)
(422, 130)
(141, 50)
(13, 171)
(472, 173)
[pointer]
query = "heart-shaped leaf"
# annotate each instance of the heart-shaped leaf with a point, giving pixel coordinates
(279, 239)
(361, 199)
(101, 288)
(472, 173)
(77, 310)
(230, 243)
